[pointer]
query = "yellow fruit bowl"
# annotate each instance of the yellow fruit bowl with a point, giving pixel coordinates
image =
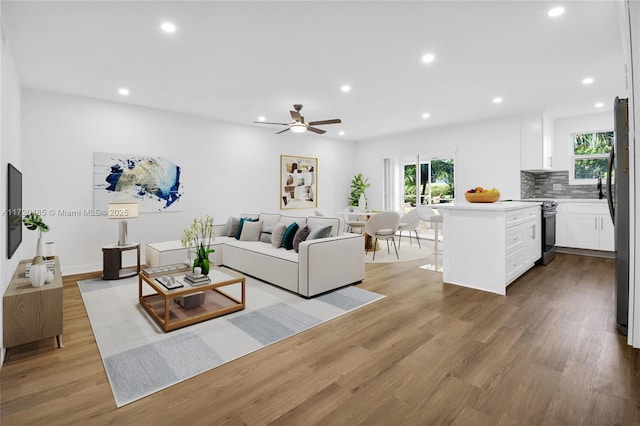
(482, 197)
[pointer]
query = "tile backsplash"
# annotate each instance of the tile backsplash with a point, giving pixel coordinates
(554, 185)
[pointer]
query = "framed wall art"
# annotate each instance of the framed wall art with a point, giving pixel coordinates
(152, 182)
(298, 182)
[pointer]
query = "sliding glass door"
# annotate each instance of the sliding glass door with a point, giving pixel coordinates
(427, 180)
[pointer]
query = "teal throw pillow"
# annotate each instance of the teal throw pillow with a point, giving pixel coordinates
(289, 234)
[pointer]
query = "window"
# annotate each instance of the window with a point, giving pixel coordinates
(418, 179)
(590, 156)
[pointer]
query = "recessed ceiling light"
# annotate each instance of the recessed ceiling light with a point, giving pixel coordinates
(428, 58)
(123, 91)
(556, 11)
(168, 27)
(497, 100)
(341, 133)
(587, 80)
(426, 115)
(345, 88)
(599, 105)
(261, 118)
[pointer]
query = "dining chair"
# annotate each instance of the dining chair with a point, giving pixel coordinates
(383, 226)
(354, 221)
(428, 214)
(409, 222)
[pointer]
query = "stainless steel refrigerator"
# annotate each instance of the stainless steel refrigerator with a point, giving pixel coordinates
(618, 199)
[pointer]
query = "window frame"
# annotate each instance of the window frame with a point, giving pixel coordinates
(573, 157)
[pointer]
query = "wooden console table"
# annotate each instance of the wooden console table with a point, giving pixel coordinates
(31, 313)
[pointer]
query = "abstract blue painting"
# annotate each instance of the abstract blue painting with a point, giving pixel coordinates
(152, 182)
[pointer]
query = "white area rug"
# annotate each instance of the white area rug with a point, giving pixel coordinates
(406, 252)
(140, 359)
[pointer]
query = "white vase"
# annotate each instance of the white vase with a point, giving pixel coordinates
(362, 202)
(40, 247)
(38, 272)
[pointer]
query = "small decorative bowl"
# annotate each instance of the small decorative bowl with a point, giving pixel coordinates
(482, 197)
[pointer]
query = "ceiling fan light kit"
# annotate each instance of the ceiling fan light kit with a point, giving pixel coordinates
(299, 126)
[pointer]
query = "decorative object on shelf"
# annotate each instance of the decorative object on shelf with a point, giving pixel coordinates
(200, 235)
(298, 182)
(38, 272)
(358, 186)
(123, 211)
(34, 221)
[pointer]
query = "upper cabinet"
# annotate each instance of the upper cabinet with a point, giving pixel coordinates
(536, 142)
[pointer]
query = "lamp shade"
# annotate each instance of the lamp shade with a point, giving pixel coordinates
(123, 210)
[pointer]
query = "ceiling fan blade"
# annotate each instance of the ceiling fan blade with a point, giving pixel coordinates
(282, 131)
(295, 116)
(314, 130)
(316, 123)
(266, 122)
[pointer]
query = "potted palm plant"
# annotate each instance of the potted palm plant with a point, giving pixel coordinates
(34, 221)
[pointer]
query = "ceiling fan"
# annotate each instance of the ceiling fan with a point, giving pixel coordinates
(299, 126)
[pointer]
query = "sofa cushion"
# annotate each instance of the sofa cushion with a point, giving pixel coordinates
(227, 227)
(335, 222)
(233, 227)
(289, 234)
(278, 234)
(288, 220)
(251, 230)
(319, 231)
(269, 220)
(300, 236)
(265, 237)
(241, 225)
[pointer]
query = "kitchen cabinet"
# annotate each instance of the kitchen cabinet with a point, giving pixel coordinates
(488, 246)
(536, 142)
(585, 225)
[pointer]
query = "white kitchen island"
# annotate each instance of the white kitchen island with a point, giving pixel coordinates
(487, 246)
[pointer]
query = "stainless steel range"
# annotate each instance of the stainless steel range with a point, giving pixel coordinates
(548, 231)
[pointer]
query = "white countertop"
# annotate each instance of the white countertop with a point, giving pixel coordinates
(497, 206)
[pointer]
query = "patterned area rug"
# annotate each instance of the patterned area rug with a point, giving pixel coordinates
(140, 359)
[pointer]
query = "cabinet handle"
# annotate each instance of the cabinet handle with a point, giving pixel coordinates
(601, 223)
(595, 223)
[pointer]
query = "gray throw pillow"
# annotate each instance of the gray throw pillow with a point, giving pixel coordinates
(251, 231)
(233, 229)
(320, 232)
(277, 234)
(301, 235)
(227, 227)
(265, 237)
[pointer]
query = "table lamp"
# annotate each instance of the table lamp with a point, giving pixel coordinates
(123, 211)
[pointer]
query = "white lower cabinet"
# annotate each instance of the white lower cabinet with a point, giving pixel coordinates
(585, 226)
(487, 248)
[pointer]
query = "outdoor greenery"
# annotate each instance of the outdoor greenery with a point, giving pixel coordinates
(441, 178)
(591, 154)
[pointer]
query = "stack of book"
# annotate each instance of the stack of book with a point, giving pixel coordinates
(197, 279)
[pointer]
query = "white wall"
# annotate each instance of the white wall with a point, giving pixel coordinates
(226, 169)
(9, 153)
(566, 127)
(487, 154)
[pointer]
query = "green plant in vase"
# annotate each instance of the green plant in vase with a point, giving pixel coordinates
(200, 235)
(358, 186)
(34, 221)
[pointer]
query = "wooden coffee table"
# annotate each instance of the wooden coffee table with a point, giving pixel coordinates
(170, 315)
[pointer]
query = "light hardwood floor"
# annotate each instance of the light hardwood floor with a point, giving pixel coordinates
(547, 353)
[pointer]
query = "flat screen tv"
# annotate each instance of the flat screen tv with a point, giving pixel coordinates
(14, 210)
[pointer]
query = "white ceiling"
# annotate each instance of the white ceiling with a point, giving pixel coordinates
(235, 61)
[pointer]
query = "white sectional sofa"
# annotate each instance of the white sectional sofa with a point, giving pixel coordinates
(320, 264)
